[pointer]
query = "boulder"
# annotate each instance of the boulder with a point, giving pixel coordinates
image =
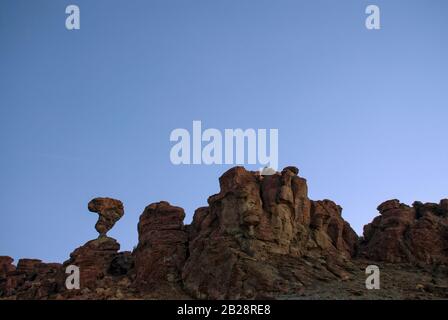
(109, 212)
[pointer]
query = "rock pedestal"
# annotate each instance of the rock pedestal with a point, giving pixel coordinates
(162, 247)
(94, 260)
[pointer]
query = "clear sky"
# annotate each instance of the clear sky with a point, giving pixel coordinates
(89, 113)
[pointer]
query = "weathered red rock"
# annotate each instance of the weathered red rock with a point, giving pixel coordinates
(408, 234)
(41, 279)
(327, 218)
(6, 271)
(32, 279)
(28, 265)
(259, 237)
(109, 211)
(6, 265)
(97, 259)
(259, 234)
(162, 247)
(94, 260)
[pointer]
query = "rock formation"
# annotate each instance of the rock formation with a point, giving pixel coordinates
(6, 270)
(94, 259)
(109, 211)
(162, 248)
(96, 256)
(408, 234)
(259, 237)
(6, 266)
(261, 231)
(32, 279)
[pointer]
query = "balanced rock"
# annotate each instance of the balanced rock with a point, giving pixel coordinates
(259, 237)
(94, 258)
(109, 211)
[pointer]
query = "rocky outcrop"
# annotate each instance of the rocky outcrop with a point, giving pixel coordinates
(94, 260)
(259, 237)
(162, 248)
(109, 211)
(264, 234)
(32, 279)
(408, 234)
(6, 271)
(36, 279)
(6, 266)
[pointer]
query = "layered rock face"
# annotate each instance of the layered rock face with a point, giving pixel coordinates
(259, 237)
(6, 270)
(162, 248)
(6, 266)
(260, 234)
(408, 234)
(32, 279)
(94, 260)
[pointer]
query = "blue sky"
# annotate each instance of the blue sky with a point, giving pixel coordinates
(89, 113)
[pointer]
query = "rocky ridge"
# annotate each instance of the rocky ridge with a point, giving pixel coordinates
(260, 237)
